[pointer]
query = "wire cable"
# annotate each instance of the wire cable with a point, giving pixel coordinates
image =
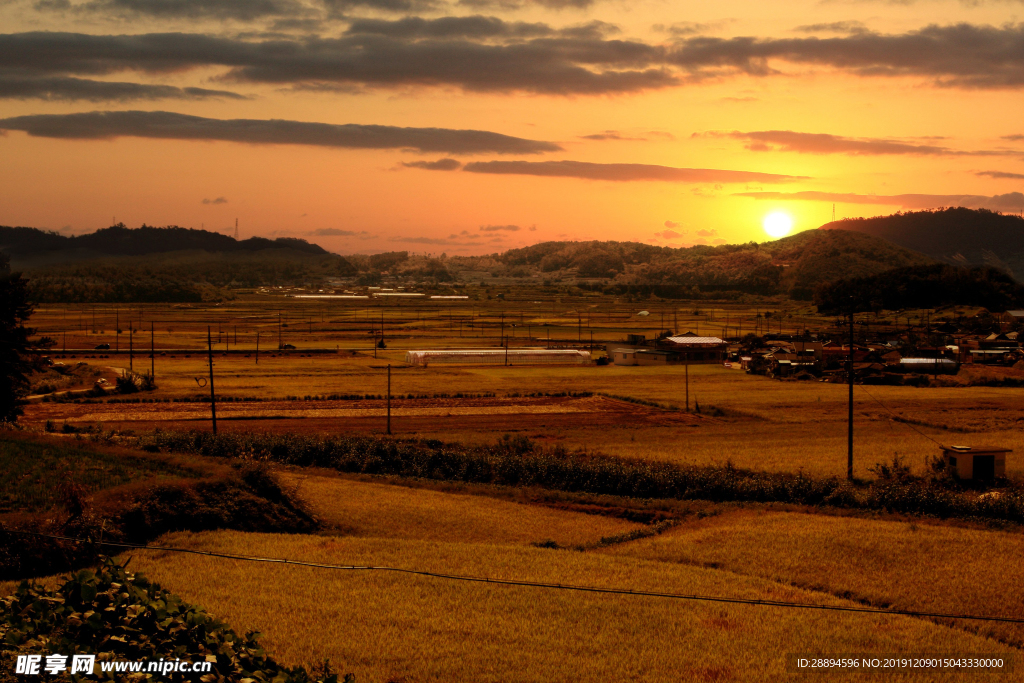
(900, 419)
(540, 584)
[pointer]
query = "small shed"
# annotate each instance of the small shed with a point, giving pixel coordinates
(624, 356)
(966, 462)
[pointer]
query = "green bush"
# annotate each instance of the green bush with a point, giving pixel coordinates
(121, 616)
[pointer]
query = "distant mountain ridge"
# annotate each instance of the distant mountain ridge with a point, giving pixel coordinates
(27, 244)
(958, 236)
(793, 266)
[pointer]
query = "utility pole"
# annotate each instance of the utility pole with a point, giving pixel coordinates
(849, 427)
(213, 396)
(389, 399)
(686, 368)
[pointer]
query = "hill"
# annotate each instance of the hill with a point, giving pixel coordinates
(160, 265)
(29, 245)
(932, 286)
(958, 236)
(793, 266)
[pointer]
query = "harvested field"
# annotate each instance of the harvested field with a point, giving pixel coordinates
(367, 508)
(367, 415)
(386, 626)
(900, 565)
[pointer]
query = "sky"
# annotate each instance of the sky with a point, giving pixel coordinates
(475, 126)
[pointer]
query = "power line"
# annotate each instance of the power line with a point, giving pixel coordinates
(537, 584)
(900, 419)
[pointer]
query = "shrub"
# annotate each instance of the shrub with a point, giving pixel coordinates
(121, 616)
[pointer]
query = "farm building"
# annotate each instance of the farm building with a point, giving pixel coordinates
(695, 349)
(687, 348)
(975, 463)
(623, 356)
(929, 366)
(499, 357)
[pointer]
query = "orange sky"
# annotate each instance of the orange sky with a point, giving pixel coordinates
(857, 103)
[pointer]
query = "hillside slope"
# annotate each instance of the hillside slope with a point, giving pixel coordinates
(793, 265)
(958, 236)
(31, 246)
(160, 265)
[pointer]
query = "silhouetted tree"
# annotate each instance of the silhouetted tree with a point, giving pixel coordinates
(18, 354)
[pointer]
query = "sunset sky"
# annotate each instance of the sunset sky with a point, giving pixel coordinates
(473, 126)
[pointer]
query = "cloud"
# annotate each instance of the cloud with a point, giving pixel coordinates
(499, 228)
(1014, 138)
(439, 165)
(245, 10)
(621, 172)
(218, 200)
(335, 232)
(486, 54)
(834, 27)
(707, 233)
(668, 234)
(64, 88)
(957, 55)
(718, 241)
(450, 27)
(422, 240)
(671, 224)
(533, 228)
(169, 125)
(1001, 174)
(824, 143)
(1013, 201)
(609, 135)
(560, 64)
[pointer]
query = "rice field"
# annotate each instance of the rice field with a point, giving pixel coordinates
(386, 627)
(894, 564)
(373, 509)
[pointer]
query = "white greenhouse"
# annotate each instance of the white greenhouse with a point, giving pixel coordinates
(499, 357)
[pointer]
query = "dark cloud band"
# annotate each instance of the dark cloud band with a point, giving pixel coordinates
(624, 172)
(1013, 201)
(67, 88)
(169, 125)
(824, 143)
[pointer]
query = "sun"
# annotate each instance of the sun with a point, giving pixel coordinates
(778, 224)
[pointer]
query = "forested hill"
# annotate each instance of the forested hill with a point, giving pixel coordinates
(28, 244)
(958, 236)
(794, 265)
(160, 265)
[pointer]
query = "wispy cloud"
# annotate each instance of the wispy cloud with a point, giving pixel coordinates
(169, 125)
(439, 165)
(1001, 174)
(218, 200)
(623, 172)
(336, 232)
(499, 228)
(1013, 201)
(825, 143)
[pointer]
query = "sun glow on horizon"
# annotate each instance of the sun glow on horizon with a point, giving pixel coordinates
(778, 224)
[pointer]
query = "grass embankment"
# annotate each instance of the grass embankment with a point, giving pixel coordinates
(385, 626)
(370, 509)
(33, 472)
(897, 565)
(517, 461)
(210, 496)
